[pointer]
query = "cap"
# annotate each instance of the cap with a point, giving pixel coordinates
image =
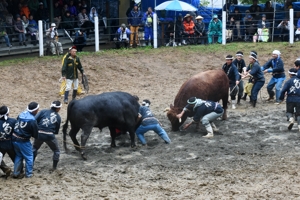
(41, 3)
(263, 15)
(277, 52)
(215, 16)
(199, 17)
(249, 16)
(187, 15)
(123, 25)
(53, 25)
(72, 47)
(192, 100)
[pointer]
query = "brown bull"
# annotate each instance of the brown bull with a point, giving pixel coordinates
(209, 85)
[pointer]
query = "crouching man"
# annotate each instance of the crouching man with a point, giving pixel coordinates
(207, 110)
(292, 88)
(149, 122)
(48, 123)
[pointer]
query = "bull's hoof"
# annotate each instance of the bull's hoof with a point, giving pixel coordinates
(83, 156)
(113, 145)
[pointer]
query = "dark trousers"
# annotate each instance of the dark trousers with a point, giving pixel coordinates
(120, 44)
(291, 109)
(255, 89)
(53, 144)
(11, 153)
(233, 91)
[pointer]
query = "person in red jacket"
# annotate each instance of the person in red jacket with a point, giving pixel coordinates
(188, 26)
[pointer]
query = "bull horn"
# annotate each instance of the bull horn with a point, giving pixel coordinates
(167, 109)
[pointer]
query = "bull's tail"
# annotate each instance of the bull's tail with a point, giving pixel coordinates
(65, 127)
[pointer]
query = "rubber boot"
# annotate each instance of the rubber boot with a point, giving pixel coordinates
(5, 169)
(253, 103)
(66, 97)
(55, 164)
(214, 127)
(244, 97)
(74, 94)
(239, 100)
(210, 132)
(291, 124)
(233, 104)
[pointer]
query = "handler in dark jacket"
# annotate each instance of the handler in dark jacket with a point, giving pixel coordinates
(179, 29)
(134, 21)
(292, 88)
(234, 78)
(48, 123)
(7, 126)
(206, 111)
(200, 30)
(71, 63)
(276, 67)
(26, 127)
(256, 76)
(241, 67)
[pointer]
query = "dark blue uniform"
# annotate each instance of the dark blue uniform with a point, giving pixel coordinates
(48, 125)
(258, 79)
(26, 127)
(233, 76)
(240, 64)
(292, 88)
(206, 108)
(6, 131)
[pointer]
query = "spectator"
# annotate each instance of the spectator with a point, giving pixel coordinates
(25, 10)
(287, 6)
(25, 23)
(72, 9)
(33, 30)
(78, 6)
(200, 30)
(263, 30)
(33, 6)
(170, 34)
(42, 14)
(9, 23)
(93, 14)
(134, 21)
(215, 29)
(65, 9)
(122, 37)
(3, 6)
(80, 40)
(188, 26)
(179, 29)
(284, 27)
(269, 11)
(254, 9)
(236, 18)
(84, 5)
(251, 28)
(53, 43)
(68, 22)
(3, 32)
(148, 21)
(84, 22)
(57, 14)
(19, 28)
(297, 33)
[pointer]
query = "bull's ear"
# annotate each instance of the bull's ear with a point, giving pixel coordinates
(171, 106)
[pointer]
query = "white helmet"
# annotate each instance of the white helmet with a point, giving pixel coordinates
(53, 25)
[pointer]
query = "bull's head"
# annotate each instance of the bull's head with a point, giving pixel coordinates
(175, 122)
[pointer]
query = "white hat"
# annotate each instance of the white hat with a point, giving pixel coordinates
(53, 25)
(276, 52)
(199, 17)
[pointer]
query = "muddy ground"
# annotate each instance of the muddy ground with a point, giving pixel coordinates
(253, 156)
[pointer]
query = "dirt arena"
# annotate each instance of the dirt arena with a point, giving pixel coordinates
(253, 156)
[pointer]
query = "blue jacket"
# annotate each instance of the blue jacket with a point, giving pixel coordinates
(298, 23)
(275, 66)
(259, 24)
(135, 18)
(232, 73)
(292, 87)
(206, 108)
(6, 131)
(256, 72)
(48, 120)
(119, 34)
(26, 127)
(147, 116)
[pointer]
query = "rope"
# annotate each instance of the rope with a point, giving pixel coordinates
(81, 147)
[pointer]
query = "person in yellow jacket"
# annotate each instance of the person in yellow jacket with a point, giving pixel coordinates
(71, 63)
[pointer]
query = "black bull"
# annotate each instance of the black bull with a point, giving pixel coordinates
(113, 109)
